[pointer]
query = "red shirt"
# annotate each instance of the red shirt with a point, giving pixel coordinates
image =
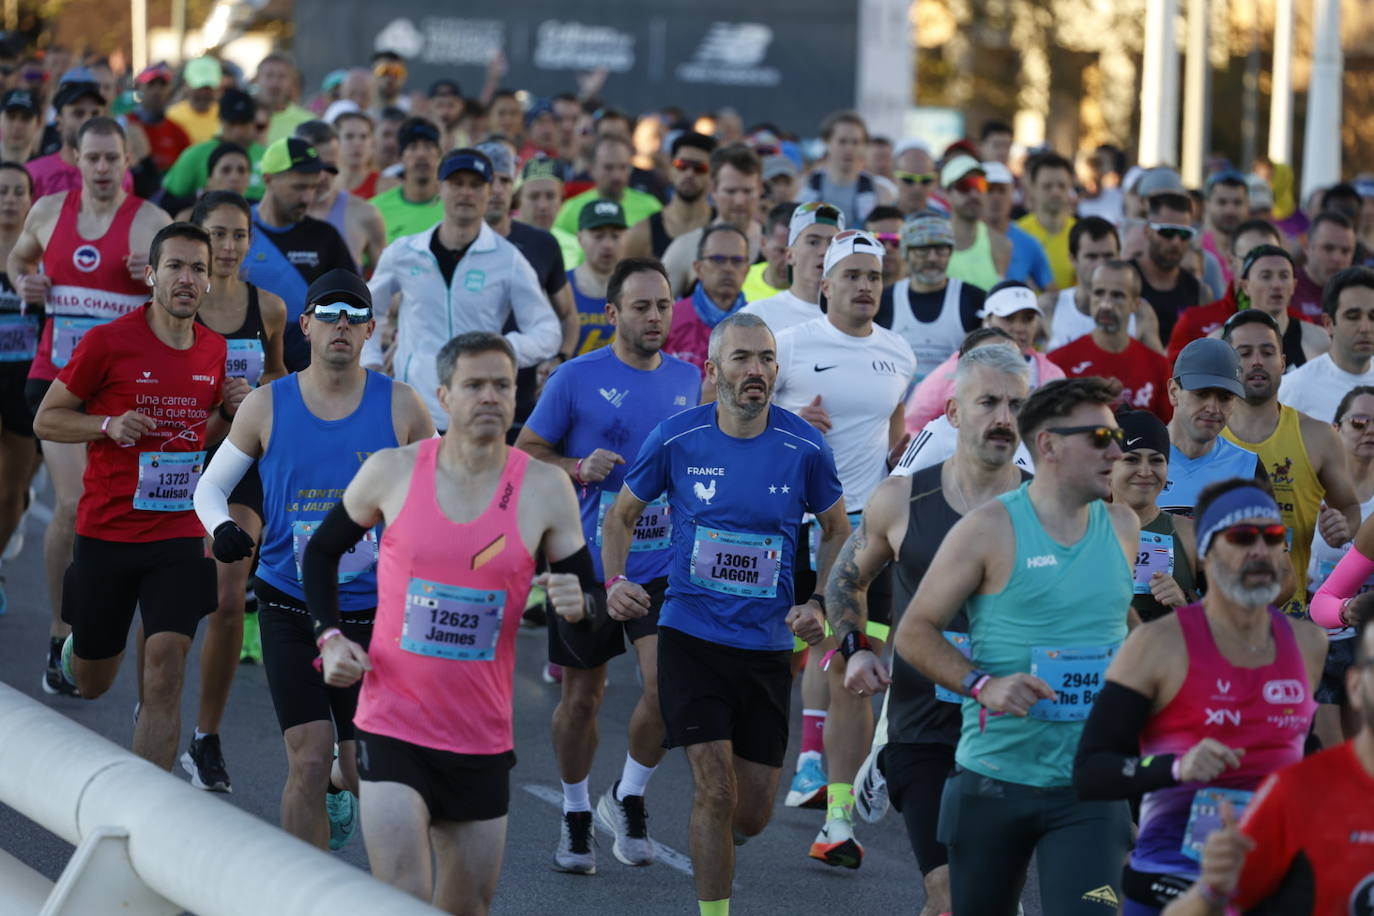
(1307, 297)
(1200, 321)
(166, 140)
(1143, 373)
(1313, 826)
(123, 366)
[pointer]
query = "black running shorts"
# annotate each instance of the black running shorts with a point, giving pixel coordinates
(572, 647)
(15, 415)
(455, 787)
(711, 692)
(171, 583)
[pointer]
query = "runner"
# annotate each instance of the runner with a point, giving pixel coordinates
(1169, 233)
(846, 376)
(736, 189)
(1227, 206)
(1317, 387)
(1330, 249)
(1203, 320)
(689, 208)
(1303, 457)
(808, 237)
(721, 264)
(916, 176)
(357, 221)
(166, 139)
(76, 103)
(1302, 847)
(19, 329)
(979, 257)
(1004, 564)
(90, 246)
(884, 223)
(1266, 280)
(1051, 219)
(238, 119)
(414, 205)
(768, 276)
(1068, 313)
(252, 321)
(304, 431)
(1205, 385)
(201, 78)
(1200, 705)
(538, 194)
(1109, 350)
(1165, 562)
(290, 249)
(357, 160)
(276, 85)
(611, 177)
(458, 276)
(726, 632)
(435, 776)
(147, 392)
(20, 125)
(842, 180)
(570, 428)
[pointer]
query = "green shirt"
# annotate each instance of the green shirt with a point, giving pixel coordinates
(405, 218)
(192, 169)
(636, 204)
(568, 244)
(755, 287)
(287, 120)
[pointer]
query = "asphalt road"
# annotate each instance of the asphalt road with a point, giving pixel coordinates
(774, 874)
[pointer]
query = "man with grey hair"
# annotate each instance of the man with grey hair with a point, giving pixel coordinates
(903, 524)
(738, 473)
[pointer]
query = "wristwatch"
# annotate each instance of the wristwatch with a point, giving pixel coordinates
(970, 680)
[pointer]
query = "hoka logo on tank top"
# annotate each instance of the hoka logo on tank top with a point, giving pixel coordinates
(1041, 561)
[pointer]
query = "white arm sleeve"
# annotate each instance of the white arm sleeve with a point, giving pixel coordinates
(212, 492)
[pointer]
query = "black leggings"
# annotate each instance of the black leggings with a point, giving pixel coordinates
(915, 775)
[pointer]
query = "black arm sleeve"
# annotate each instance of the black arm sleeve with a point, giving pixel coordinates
(320, 566)
(1108, 764)
(593, 592)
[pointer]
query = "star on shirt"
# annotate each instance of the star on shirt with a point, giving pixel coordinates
(784, 488)
(772, 489)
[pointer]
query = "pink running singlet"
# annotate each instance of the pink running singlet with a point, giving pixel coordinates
(449, 600)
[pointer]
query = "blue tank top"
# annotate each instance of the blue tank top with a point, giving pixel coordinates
(1188, 476)
(305, 468)
(591, 315)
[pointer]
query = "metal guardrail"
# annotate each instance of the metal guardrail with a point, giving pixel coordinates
(147, 843)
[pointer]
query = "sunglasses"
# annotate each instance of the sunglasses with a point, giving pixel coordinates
(970, 183)
(889, 239)
(1099, 437)
(925, 178)
(723, 260)
(330, 313)
(692, 165)
(1246, 535)
(1174, 231)
(1359, 421)
(394, 70)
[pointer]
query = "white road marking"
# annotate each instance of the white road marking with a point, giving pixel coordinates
(666, 854)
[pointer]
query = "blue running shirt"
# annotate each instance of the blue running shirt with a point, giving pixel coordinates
(736, 506)
(1187, 476)
(597, 401)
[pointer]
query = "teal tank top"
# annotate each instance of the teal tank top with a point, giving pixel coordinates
(1060, 617)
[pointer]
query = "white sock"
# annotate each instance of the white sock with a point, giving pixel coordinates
(575, 797)
(634, 779)
(199, 734)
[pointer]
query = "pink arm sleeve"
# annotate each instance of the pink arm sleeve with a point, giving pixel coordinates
(1344, 582)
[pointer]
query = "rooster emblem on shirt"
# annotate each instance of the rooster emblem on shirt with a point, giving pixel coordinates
(705, 493)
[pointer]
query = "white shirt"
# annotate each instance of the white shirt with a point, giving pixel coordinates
(782, 311)
(1317, 386)
(936, 442)
(860, 381)
(1069, 323)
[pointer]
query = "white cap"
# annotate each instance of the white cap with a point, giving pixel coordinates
(338, 107)
(1009, 300)
(997, 173)
(811, 213)
(907, 144)
(852, 241)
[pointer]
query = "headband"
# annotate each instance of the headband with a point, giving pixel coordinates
(1232, 507)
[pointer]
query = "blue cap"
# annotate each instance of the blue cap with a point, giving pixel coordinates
(540, 107)
(465, 160)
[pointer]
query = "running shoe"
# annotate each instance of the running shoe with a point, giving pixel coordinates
(343, 817)
(808, 785)
(835, 844)
(870, 788)
(204, 762)
(552, 674)
(252, 640)
(629, 822)
(575, 853)
(53, 680)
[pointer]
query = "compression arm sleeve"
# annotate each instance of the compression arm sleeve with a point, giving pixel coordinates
(593, 593)
(1344, 582)
(320, 566)
(211, 497)
(1108, 764)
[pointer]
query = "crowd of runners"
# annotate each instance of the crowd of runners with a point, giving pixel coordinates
(1049, 479)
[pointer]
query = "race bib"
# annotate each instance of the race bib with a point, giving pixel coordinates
(360, 558)
(1155, 554)
(959, 641)
(445, 621)
(652, 528)
(18, 338)
(167, 480)
(245, 360)
(1075, 675)
(66, 334)
(814, 536)
(746, 565)
(1204, 816)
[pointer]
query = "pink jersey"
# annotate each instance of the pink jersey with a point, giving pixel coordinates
(52, 173)
(1265, 710)
(449, 600)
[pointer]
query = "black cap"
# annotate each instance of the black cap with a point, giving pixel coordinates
(339, 285)
(237, 107)
(1264, 251)
(444, 87)
(1143, 430)
(414, 130)
(67, 93)
(20, 100)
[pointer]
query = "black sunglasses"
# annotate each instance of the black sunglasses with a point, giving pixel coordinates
(1098, 436)
(1246, 535)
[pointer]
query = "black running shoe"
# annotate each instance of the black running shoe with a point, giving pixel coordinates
(205, 763)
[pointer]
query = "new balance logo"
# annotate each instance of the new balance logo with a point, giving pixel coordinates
(1037, 562)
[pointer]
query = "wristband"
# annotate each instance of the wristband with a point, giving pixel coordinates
(614, 581)
(326, 636)
(226, 415)
(978, 686)
(820, 602)
(105, 426)
(577, 472)
(854, 641)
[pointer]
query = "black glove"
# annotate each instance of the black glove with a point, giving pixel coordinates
(232, 543)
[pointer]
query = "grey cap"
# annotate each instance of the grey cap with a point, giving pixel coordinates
(1209, 363)
(1160, 181)
(773, 166)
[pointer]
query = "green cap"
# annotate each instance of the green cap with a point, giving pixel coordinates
(598, 213)
(540, 166)
(290, 154)
(202, 73)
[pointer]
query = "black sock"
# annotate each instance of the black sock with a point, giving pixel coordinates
(333, 789)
